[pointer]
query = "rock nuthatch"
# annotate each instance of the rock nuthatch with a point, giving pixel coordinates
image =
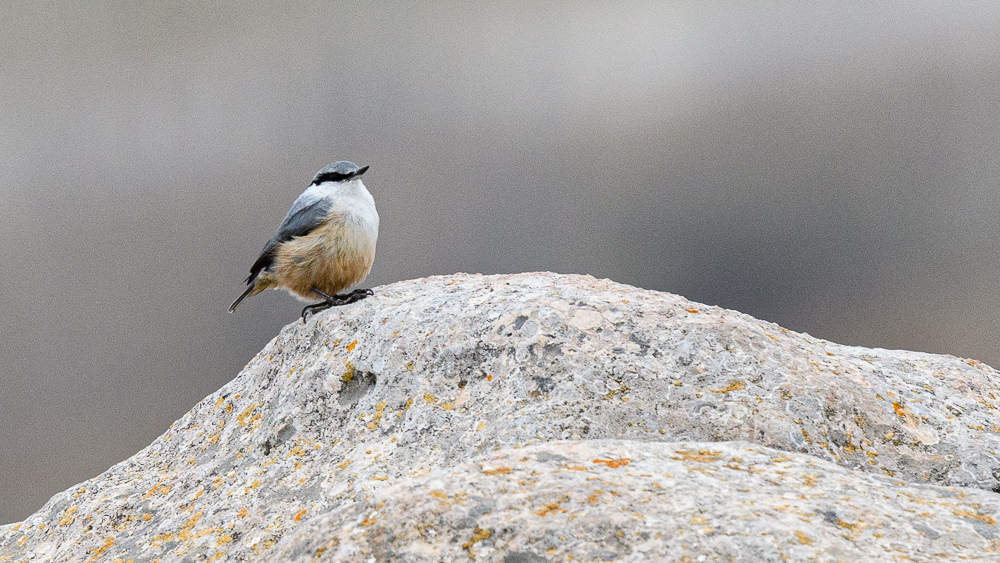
(325, 244)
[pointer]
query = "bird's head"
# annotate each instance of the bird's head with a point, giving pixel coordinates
(339, 171)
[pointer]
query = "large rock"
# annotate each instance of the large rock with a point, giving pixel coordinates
(442, 417)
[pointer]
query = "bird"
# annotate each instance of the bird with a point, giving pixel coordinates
(325, 244)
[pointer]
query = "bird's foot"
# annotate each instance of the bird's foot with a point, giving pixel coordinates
(315, 308)
(356, 295)
(334, 301)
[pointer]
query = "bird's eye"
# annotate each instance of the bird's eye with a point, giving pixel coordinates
(331, 177)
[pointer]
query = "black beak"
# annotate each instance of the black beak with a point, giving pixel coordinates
(361, 171)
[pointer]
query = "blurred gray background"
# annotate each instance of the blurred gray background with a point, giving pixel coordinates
(832, 167)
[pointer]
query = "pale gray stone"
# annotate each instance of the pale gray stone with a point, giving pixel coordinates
(416, 396)
(652, 501)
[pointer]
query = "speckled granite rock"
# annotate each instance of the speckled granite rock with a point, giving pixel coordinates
(640, 501)
(380, 400)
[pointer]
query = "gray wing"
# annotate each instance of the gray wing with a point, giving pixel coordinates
(307, 213)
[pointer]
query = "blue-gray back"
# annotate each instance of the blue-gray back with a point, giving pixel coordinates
(309, 211)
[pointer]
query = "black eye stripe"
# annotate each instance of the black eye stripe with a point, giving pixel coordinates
(331, 177)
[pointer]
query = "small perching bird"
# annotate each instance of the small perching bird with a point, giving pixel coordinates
(325, 244)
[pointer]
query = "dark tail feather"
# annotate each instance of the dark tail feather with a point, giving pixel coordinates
(236, 303)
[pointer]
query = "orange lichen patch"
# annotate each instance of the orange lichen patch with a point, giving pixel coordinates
(428, 399)
(480, 426)
(147, 516)
(775, 338)
(158, 488)
(699, 520)
(243, 513)
(99, 551)
(437, 493)
(350, 347)
(701, 456)
(161, 538)
(216, 556)
(370, 520)
(693, 311)
(23, 540)
(80, 492)
(348, 374)
(901, 411)
(448, 406)
(497, 471)
(298, 517)
(260, 547)
(344, 465)
(854, 528)
(242, 417)
(803, 539)
(229, 408)
(67, 517)
(805, 435)
(380, 477)
(409, 365)
(575, 467)
(849, 446)
(809, 480)
(219, 402)
(969, 514)
(203, 532)
(379, 413)
(733, 386)
(641, 517)
(906, 414)
(548, 509)
(478, 535)
(185, 533)
(226, 538)
(614, 463)
(253, 419)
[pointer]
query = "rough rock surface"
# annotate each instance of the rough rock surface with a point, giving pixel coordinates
(643, 501)
(387, 429)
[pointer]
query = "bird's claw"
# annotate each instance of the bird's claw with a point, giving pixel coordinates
(335, 301)
(314, 308)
